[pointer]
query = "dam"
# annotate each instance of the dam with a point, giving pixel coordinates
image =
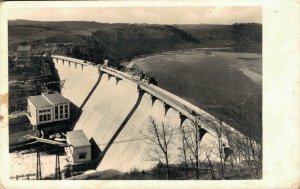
(115, 110)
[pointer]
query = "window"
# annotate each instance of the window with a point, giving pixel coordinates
(56, 112)
(61, 111)
(66, 111)
(44, 115)
(44, 111)
(82, 155)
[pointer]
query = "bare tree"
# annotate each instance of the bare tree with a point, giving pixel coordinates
(208, 151)
(249, 146)
(250, 151)
(235, 155)
(184, 154)
(161, 136)
(218, 127)
(191, 136)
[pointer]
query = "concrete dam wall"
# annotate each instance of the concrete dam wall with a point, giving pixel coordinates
(77, 79)
(116, 111)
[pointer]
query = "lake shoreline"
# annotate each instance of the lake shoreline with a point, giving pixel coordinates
(248, 70)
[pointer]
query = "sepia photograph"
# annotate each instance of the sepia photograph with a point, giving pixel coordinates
(135, 92)
(101, 93)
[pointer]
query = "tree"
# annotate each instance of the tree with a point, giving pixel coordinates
(219, 129)
(191, 136)
(161, 136)
(234, 157)
(208, 151)
(183, 154)
(247, 145)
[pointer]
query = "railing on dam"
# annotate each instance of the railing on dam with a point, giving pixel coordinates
(77, 61)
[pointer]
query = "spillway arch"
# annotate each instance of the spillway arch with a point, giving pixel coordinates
(100, 90)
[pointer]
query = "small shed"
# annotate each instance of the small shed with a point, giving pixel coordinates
(79, 147)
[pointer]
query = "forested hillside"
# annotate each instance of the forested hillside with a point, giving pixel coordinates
(129, 41)
(117, 42)
(240, 37)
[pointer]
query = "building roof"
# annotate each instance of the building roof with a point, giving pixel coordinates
(39, 101)
(47, 99)
(24, 48)
(54, 97)
(77, 138)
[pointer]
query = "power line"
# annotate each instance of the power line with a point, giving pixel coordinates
(146, 138)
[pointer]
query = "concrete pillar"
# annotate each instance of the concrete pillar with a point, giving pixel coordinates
(202, 132)
(140, 91)
(100, 73)
(153, 98)
(118, 79)
(167, 107)
(182, 118)
(109, 76)
(194, 113)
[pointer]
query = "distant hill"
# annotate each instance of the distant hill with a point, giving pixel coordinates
(38, 32)
(128, 41)
(241, 37)
(97, 41)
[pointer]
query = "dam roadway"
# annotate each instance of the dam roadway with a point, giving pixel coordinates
(115, 111)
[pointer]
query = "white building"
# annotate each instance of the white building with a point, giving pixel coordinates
(48, 107)
(79, 147)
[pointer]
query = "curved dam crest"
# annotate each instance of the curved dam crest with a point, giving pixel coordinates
(115, 112)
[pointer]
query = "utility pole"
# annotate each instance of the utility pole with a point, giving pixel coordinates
(38, 163)
(38, 166)
(57, 167)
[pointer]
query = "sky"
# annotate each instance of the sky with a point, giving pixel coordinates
(151, 15)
